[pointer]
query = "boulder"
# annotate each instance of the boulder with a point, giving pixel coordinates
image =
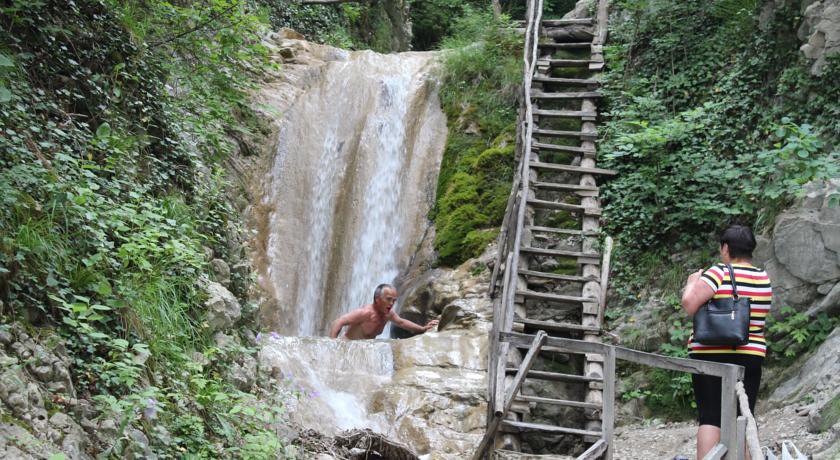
(223, 310)
(820, 32)
(802, 256)
(819, 377)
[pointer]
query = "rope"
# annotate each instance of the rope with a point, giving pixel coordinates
(752, 429)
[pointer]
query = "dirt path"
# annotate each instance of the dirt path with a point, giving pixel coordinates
(665, 440)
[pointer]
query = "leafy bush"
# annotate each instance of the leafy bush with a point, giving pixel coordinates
(115, 118)
(705, 130)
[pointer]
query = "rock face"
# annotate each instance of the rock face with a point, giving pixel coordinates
(820, 31)
(223, 310)
(803, 257)
(819, 377)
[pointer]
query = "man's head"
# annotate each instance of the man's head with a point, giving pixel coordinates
(737, 242)
(384, 298)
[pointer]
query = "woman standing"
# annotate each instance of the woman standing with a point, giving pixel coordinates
(736, 247)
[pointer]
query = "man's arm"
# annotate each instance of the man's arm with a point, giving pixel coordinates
(412, 326)
(354, 317)
(695, 293)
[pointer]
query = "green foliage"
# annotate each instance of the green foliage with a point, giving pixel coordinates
(706, 130)
(792, 334)
(365, 25)
(481, 74)
(115, 119)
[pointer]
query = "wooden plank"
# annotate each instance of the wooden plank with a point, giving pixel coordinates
(694, 366)
(558, 402)
(716, 453)
(591, 136)
(555, 376)
(555, 205)
(560, 22)
(741, 430)
(572, 169)
(570, 345)
(528, 294)
(568, 62)
(511, 392)
(519, 427)
(563, 231)
(570, 45)
(551, 326)
(605, 277)
(562, 148)
(568, 81)
(561, 253)
(557, 276)
(524, 369)
(594, 451)
(608, 412)
(589, 116)
(565, 95)
(580, 190)
(728, 432)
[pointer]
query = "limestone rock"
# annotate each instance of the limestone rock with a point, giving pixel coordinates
(23, 397)
(803, 255)
(221, 271)
(243, 374)
(820, 30)
(819, 377)
(223, 310)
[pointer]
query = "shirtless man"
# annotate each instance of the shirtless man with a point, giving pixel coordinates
(368, 321)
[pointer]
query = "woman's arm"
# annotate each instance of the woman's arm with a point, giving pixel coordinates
(695, 293)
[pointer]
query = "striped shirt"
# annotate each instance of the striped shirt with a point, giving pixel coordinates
(752, 282)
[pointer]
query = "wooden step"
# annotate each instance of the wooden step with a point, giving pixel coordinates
(502, 454)
(559, 253)
(555, 376)
(560, 22)
(567, 81)
(557, 402)
(566, 62)
(536, 94)
(511, 426)
(582, 190)
(572, 169)
(570, 45)
(584, 115)
(562, 231)
(587, 153)
(551, 326)
(586, 136)
(545, 204)
(557, 276)
(553, 297)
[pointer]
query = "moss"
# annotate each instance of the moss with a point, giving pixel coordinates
(451, 236)
(476, 240)
(461, 190)
(566, 266)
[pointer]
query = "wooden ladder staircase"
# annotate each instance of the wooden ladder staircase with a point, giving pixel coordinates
(549, 259)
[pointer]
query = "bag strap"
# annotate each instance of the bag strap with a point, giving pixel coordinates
(732, 281)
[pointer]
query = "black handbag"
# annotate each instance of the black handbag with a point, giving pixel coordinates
(724, 321)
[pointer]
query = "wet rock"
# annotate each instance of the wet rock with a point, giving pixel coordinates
(221, 271)
(223, 310)
(285, 32)
(454, 316)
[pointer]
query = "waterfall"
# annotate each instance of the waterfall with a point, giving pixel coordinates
(350, 186)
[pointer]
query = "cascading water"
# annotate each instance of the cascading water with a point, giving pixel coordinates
(353, 178)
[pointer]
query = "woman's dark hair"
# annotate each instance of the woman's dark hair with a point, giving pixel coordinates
(739, 239)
